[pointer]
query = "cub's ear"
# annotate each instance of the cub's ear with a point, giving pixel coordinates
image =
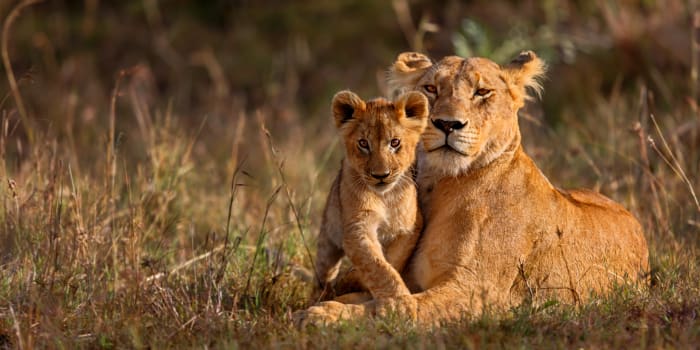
(525, 72)
(412, 110)
(406, 71)
(344, 106)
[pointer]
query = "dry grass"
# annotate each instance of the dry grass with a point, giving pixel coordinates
(129, 218)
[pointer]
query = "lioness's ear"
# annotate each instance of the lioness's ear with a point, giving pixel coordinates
(525, 72)
(406, 71)
(345, 104)
(412, 109)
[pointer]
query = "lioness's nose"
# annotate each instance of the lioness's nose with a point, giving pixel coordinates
(381, 176)
(447, 126)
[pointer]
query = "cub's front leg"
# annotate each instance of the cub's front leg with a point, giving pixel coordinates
(397, 252)
(362, 246)
(401, 247)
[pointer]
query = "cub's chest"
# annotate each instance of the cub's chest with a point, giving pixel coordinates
(385, 216)
(397, 217)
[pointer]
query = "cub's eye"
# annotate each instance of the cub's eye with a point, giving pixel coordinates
(430, 88)
(482, 92)
(363, 143)
(395, 143)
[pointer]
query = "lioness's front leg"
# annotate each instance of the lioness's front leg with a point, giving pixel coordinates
(444, 302)
(364, 250)
(354, 298)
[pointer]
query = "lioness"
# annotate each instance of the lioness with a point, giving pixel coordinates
(497, 232)
(371, 213)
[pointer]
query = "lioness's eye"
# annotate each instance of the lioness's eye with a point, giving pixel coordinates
(482, 92)
(430, 88)
(395, 143)
(363, 143)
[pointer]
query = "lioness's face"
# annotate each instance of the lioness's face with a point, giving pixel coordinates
(474, 105)
(380, 136)
(469, 99)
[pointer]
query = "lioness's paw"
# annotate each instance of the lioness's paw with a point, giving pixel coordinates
(354, 298)
(403, 306)
(325, 313)
(314, 316)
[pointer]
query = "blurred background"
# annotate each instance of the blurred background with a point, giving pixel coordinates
(136, 135)
(218, 58)
(214, 60)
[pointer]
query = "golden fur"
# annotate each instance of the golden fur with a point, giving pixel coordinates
(497, 233)
(371, 213)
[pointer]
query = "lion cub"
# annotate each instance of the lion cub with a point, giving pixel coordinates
(371, 213)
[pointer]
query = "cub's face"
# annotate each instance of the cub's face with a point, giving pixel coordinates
(380, 136)
(474, 104)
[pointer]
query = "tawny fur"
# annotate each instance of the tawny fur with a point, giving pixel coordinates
(371, 213)
(497, 232)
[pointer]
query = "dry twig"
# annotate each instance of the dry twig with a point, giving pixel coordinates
(8, 65)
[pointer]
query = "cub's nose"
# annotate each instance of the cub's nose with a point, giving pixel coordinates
(380, 176)
(447, 126)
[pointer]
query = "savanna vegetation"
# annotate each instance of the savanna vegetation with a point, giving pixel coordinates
(163, 165)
